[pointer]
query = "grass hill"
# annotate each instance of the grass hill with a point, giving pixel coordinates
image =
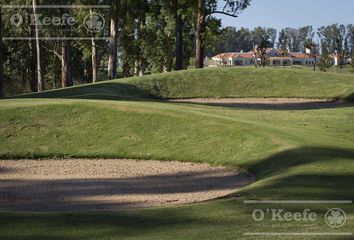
(218, 82)
(295, 155)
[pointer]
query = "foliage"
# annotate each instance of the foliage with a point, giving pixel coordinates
(325, 61)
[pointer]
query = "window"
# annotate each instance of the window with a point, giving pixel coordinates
(276, 62)
(238, 62)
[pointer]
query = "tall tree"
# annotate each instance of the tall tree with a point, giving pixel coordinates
(324, 63)
(272, 34)
(293, 39)
(32, 59)
(179, 38)
(66, 64)
(94, 60)
(199, 30)
(350, 37)
(40, 79)
(113, 39)
(94, 56)
(352, 56)
(283, 41)
(306, 35)
(204, 8)
(1, 58)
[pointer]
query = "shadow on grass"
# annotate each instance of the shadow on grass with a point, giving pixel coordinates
(100, 91)
(307, 187)
(96, 225)
(127, 91)
(285, 160)
(349, 98)
(332, 177)
(278, 106)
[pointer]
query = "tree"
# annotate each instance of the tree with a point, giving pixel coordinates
(259, 34)
(232, 40)
(66, 66)
(40, 79)
(293, 41)
(199, 30)
(324, 63)
(204, 8)
(350, 37)
(113, 39)
(1, 58)
(352, 57)
(179, 37)
(306, 35)
(272, 33)
(283, 41)
(94, 56)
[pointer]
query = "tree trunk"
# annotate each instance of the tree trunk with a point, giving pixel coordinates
(94, 58)
(113, 40)
(95, 63)
(179, 39)
(66, 77)
(200, 27)
(140, 62)
(32, 62)
(1, 59)
(40, 79)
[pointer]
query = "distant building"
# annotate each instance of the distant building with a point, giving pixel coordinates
(337, 59)
(273, 56)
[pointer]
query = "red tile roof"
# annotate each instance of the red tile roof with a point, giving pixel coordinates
(299, 55)
(234, 55)
(225, 55)
(246, 55)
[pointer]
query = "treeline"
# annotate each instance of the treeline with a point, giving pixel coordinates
(332, 38)
(143, 36)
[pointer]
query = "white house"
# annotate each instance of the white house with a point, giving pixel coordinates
(234, 59)
(273, 56)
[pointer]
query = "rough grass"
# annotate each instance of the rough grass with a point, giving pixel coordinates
(218, 82)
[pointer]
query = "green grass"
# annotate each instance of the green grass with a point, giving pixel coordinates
(219, 82)
(298, 155)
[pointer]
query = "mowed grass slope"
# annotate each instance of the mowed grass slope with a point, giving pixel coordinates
(218, 82)
(295, 155)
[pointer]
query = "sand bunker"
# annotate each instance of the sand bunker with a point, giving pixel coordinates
(82, 184)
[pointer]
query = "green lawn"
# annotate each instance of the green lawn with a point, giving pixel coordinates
(297, 155)
(219, 82)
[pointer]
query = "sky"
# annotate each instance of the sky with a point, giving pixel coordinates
(293, 13)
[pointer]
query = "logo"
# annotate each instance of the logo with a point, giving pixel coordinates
(280, 215)
(336, 218)
(94, 22)
(16, 20)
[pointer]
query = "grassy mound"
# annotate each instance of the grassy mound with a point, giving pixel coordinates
(271, 144)
(218, 82)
